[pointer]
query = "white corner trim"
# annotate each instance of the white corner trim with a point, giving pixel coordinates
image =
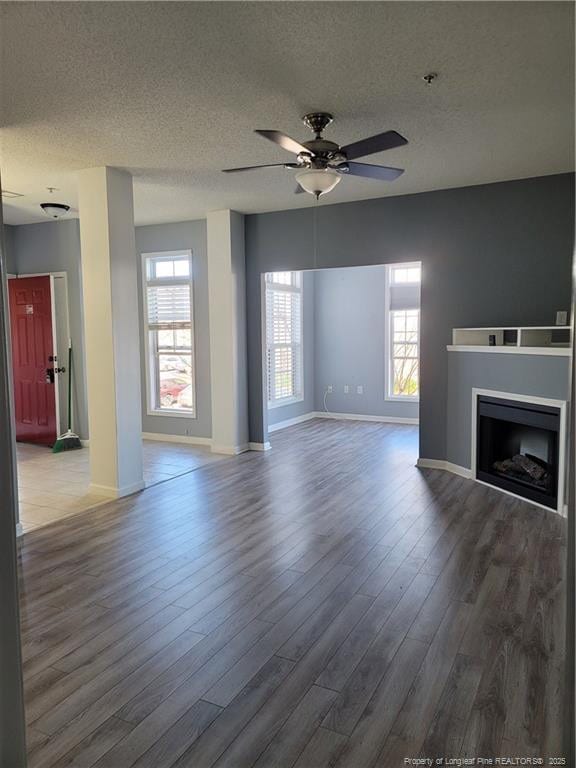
(448, 466)
(260, 446)
(185, 439)
(19, 529)
(292, 422)
(230, 450)
(116, 493)
(366, 417)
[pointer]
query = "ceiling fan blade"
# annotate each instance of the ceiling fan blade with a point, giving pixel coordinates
(379, 172)
(255, 167)
(284, 141)
(378, 143)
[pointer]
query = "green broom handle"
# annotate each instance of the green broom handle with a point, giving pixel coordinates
(69, 386)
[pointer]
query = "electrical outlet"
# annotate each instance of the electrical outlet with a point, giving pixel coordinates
(329, 388)
(346, 389)
(561, 318)
(359, 389)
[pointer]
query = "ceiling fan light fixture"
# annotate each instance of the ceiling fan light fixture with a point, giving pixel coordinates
(317, 181)
(54, 210)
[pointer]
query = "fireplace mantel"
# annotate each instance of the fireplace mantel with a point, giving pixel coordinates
(545, 351)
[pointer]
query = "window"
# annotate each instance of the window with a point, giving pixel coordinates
(404, 331)
(406, 274)
(284, 337)
(169, 333)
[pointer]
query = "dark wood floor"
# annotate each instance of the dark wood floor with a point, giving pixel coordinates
(325, 604)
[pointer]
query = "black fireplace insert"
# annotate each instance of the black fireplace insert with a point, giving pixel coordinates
(517, 448)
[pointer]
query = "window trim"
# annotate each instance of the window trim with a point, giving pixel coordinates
(150, 410)
(389, 336)
(293, 399)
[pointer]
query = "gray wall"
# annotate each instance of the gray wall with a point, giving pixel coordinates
(9, 254)
(351, 344)
(492, 254)
(172, 237)
(308, 404)
(542, 376)
(54, 246)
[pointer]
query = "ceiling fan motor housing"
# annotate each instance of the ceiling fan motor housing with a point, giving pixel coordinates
(317, 121)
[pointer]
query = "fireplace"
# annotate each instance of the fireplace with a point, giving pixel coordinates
(519, 447)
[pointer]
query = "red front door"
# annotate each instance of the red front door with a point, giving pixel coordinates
(32, 353)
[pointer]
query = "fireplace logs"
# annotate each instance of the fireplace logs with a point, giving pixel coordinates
(525, 467)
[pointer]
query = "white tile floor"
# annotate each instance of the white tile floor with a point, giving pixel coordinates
(55, 485)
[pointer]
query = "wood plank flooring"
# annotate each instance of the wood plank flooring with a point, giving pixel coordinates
(323, 604)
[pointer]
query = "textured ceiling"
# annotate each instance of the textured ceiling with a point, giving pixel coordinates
(173, 91)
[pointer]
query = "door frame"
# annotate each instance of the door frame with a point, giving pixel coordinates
(52, 276)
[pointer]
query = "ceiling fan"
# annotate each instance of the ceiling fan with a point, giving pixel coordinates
(321, 163)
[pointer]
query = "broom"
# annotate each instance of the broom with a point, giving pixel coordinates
(69, 440)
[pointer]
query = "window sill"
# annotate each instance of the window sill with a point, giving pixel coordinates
(286, 401)
(172, 413)
(402, 398)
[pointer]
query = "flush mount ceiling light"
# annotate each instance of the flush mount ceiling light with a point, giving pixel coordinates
(317, 181)
(54, 210)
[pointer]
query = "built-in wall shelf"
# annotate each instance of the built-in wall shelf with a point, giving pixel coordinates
(527, 340)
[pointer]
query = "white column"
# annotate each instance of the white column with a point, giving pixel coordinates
(227, 303)
(111, 322)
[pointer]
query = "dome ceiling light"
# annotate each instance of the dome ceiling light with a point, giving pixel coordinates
(317, 181)
(55, 210)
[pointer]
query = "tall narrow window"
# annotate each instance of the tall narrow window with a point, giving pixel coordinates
(284, 337)
(169, 332)
(404, 331)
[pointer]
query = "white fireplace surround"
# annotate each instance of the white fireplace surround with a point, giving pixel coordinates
(560, 404)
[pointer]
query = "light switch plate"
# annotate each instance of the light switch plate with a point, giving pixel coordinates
(561, 317)
(360, 389)
(346, 389)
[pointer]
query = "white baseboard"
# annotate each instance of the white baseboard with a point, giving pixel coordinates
(85, 443)
(366, 417)
(259, 446)
(230, 450)
(448, 466)
(291, 422)
(116, 493)
(184, 439)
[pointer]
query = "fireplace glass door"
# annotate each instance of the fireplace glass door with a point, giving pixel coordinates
(518, 448)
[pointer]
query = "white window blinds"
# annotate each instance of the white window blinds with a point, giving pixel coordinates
(284, 336)
(168, 306)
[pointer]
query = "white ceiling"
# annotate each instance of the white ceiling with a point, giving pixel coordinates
(173, 91)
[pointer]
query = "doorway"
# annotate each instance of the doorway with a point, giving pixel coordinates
(343, 344)
(39, 330)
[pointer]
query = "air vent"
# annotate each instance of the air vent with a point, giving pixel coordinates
(7, 193)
